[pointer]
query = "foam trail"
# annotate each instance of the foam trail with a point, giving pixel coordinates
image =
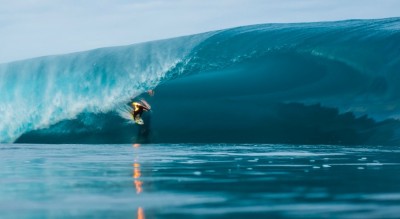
(124, 112)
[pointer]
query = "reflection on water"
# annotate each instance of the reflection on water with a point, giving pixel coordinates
(137, 182)
(136, 172)
(136, 175)
(140, 213)
(199, 181)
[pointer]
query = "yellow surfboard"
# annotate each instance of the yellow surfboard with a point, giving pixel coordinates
(139, 121)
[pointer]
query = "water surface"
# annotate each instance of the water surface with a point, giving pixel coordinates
(199, 181)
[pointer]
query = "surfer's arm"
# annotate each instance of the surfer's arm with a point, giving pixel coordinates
(145, 105)
(145, 108)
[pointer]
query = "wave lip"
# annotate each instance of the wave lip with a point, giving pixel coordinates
(39, 92)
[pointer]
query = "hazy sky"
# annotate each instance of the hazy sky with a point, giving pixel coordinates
(30, 28)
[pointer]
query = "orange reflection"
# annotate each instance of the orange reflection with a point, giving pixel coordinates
(140, 213)
(136, 175)
(138, 186)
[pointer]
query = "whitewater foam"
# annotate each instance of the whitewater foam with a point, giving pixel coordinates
(39, 92)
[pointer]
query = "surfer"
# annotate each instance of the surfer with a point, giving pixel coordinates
(138, 108)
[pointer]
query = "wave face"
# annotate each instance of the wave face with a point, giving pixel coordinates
(334, 82)
(40, 92)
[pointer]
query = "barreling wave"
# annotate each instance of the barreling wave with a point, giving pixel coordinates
(39, 92)
(332, 82)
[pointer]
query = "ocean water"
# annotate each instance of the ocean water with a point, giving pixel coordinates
(308, 114)
(199, 181)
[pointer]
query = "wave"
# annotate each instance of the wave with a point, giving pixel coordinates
(327, 82)
(40, 92)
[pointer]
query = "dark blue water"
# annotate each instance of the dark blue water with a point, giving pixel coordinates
(199, 181)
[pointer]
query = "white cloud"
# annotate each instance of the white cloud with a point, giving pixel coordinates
(33, 28)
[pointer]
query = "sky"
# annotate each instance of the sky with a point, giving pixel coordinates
(32, 28)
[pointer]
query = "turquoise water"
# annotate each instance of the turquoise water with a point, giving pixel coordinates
(199, 181)
(299, 87)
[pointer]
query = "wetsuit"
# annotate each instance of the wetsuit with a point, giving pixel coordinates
(138, 109)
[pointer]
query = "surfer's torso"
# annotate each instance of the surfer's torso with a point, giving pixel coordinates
(137, 112)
